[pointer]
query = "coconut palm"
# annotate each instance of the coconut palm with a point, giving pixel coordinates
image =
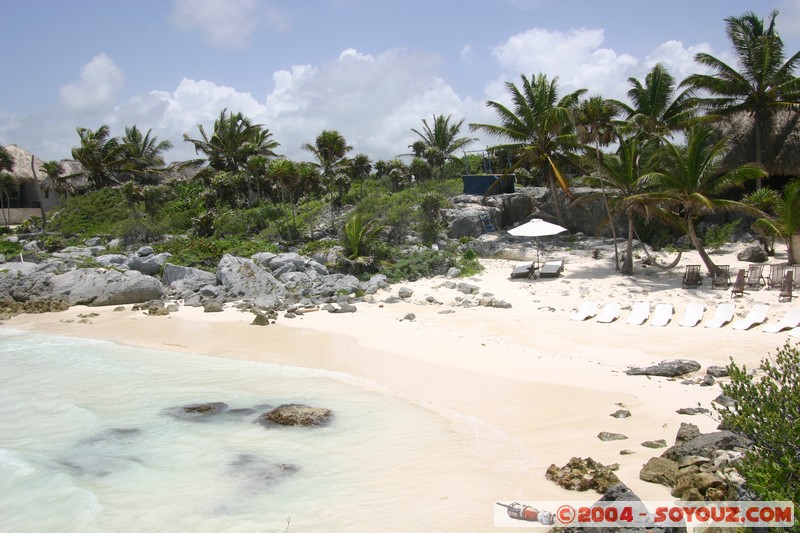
(8, 186)
(100, 156)
(142, 154)
(62, 183)
(656, 110)
(330, 149)
(539, 128)
(594, 124)
(785, 219)
(286, 173)
(763, 84)
(440, 139)
(688, 179)
(357, 240)
(621, 174)
(360, 167)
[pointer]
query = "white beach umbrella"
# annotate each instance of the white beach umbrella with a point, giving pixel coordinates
(536, 228)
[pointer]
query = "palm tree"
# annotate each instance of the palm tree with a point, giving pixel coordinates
(763, 85)
(330, 149)
(539, 127)
(287, 175)
(440, 141)
(234, 140)
(360, 167)
(785, 221)
(54, 171)
(656, 110)
(357, 239)
(143, 154)
(621, 174)
(8, 185)
(594, 124)
(689, 179)
(99, 154)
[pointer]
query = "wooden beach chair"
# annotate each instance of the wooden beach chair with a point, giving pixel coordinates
(776, 275)
(691, 278)
(722, 316)
(609, 313)
(790, 320)
(754, 278)
(738, 285)
(524, 270)
(587, 310)
(756, 316)
(662, 315)
(693, 315)
(721, 280)
(639, 313)
(551, 269)
(786, 287)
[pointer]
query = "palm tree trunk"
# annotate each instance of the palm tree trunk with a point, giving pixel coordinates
(627, 266)
(710, 266)
(554, 194)
(608, 209)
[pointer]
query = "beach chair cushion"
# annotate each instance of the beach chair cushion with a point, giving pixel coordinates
(662, 315)
(722, 316)
(790, 320)
(639, 313)
(756, 316)
(586, 310)
(609, 313)
(523, 270)
(693, 315)
(551, 269)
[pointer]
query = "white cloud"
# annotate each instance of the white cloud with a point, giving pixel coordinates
(575, 56)
(225, 23)
(97, 87)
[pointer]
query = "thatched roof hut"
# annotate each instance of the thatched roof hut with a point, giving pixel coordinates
(782, 150)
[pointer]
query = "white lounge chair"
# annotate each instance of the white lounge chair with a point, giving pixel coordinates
(693, 315)
(609, 313)
(790, 320)
(639, 313)
(722, 316)
(756, 316)
(587, 310)
(662, 315)
(795, 333)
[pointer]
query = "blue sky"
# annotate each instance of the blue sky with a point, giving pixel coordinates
(369, 69)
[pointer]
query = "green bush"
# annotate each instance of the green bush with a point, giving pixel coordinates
(419, 264)
(205, 253)
(767, 411)
(10, 249)
(95, 213)
(717, 236)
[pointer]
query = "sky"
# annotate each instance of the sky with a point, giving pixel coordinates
(370, 69)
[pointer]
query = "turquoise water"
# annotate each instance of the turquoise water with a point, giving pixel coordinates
(85, 446)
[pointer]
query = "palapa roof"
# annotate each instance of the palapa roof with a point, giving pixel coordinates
(782, 154)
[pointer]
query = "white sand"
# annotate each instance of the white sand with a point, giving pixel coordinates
(529, 371)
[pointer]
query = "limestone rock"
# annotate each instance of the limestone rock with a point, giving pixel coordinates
(659, 470)
(583, 474)
(669, 368)
(297, 415)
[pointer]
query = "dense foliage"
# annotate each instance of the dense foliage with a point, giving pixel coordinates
(767, 411)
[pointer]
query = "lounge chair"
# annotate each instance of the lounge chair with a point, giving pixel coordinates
(524, 270)
(723, 278)
(639, 313)
(738, 285)
(587, 310)
(693, 315)
(790, 320)
(754, 278)
(756, 316)
(551, 269)
(609, 313)
(795, 333)
(691, 278)
(776, 275)
(786, 287)
(722, 316)
(662, 315)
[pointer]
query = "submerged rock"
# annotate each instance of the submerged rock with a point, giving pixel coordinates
(197, 411)
(258, 474)
(297, 415)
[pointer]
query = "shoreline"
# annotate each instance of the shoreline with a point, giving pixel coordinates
(530, 372)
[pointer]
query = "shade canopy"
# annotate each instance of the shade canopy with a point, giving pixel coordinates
(536, 228)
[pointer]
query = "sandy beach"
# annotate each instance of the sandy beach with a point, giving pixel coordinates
(549, 382)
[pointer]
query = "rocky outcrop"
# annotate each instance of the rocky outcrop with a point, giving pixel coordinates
(753, 254)
(297, 415)
(243, 278)
(583, 474)
(97, 287)
(669, 369)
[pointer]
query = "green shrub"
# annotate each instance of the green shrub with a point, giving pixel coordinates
(205, 253)
(419, 264)
(767, 411)
(10, 249)
(91, 214)
(717, 236)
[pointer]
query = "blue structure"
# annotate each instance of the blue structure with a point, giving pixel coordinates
(479, 184)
